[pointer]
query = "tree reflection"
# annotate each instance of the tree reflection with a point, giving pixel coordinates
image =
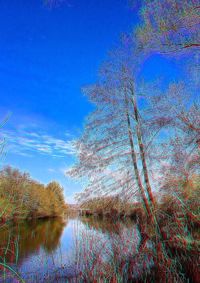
(20, 241)
(106, 225)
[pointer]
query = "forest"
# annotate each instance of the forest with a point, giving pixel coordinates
(24, 198)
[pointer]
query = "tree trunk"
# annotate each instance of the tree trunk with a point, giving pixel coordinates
(134, 160)
(142, 149)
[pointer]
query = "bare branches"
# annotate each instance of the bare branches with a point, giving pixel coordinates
(169, 26)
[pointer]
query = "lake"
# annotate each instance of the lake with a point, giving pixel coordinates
(57, 250)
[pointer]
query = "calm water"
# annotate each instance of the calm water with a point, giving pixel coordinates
(73, 249)
(57, 250)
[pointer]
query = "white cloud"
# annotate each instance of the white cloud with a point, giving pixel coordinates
(26, 142)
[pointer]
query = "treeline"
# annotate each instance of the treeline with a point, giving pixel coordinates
(110, 206)
(167, 207)
(22, 197)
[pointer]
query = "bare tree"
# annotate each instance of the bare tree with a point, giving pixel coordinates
(177, 153)
(112, 145)
(106, 149)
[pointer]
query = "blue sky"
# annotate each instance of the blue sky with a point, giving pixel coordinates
(46, 56)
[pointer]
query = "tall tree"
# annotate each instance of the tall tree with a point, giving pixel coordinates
(112, 145)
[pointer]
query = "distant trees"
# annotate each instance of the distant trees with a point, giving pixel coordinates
(57, 202)
(113, 206)
(22, 196)
(57, 190)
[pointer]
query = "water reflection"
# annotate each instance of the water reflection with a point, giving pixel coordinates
(106, 248)
(20, 241)
(74, 250)
(106, 225)
(37, 248)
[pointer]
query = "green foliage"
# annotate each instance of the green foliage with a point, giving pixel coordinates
(22, 197)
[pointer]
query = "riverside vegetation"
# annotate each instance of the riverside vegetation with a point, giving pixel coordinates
(22, 197)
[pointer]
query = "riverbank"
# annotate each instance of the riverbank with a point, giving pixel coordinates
(177, 219)
(24, 198)
(20, 218)
(87, 249)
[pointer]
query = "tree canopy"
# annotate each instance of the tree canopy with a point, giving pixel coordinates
(24, 197)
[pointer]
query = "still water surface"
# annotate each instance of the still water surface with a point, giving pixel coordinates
(57, 250)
